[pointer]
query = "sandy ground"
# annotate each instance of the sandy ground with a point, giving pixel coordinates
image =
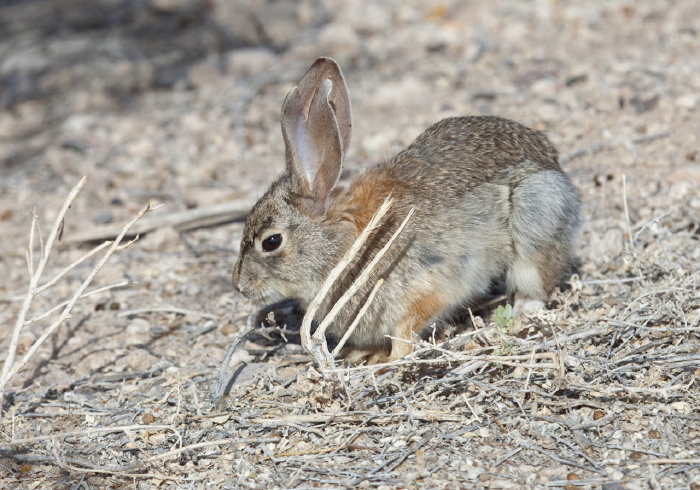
(178, 103)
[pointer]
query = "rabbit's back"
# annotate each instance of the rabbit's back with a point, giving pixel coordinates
(462, 152)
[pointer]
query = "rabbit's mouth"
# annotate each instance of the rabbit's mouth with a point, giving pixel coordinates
(260, 296)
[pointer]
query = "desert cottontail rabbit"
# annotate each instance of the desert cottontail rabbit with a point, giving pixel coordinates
(490, 200)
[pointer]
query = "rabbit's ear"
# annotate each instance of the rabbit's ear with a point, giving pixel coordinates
(338, 98)
(317, 124)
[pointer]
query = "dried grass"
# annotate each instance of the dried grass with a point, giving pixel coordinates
(564, 400)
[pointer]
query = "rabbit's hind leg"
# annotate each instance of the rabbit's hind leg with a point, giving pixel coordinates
(544, 222)
(424, 308)
(417, 312)
(354, 357)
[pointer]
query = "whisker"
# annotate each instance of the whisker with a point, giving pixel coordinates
(277, 296)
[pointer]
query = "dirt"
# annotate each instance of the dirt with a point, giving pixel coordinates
(178, 103)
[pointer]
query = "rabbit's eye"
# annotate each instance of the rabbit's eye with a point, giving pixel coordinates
(272, 242)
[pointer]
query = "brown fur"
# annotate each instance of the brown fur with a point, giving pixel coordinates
(368, 194)
(419, 313)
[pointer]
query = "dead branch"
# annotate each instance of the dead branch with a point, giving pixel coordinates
(191, 219)
(9, 370)
(359, 316)
(216, 388)
(321, 355)
(355, 417)
(35, 277)
(167, 309)
(317, 345)
(89, 432)
(102, 289)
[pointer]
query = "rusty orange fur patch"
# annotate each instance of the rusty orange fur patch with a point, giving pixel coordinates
(369, 192)
(422, 310)
(418, 314)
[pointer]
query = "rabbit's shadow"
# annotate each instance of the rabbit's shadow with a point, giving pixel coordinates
(278, 325)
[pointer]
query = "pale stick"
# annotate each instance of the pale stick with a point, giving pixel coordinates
(305, 331)
(35, 276)
(9, 370)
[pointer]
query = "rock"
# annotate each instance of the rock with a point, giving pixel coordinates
(93, 362)
(398, 93)
(79, 124)
(173, 6)
(204, 73)
(237, 17)
(249, 62)
(608, 246)
(613, 486)
(162, 240)
(170, 76)
(283, 21)
(138, 332)
(194, 123)
(24, 60)
(689, 101)
(642, 105)
(546, 113)
(339, 40)
(137, 360)
(103, 218)
(275, 23)
(545, 88)
(368, 19)
(141, 148)
(688, 174)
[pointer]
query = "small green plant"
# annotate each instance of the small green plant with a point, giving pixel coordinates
(503, 317)
(505, 349)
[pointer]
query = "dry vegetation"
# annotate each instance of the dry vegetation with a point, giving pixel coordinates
(177, 103)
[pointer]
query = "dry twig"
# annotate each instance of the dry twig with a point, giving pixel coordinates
(10, 368)
(319, 351)
(35, 277)
(359, 316)
(216, 387)
(191, 219)
(317, 345)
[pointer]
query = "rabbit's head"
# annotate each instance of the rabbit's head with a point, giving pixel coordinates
(291, 238)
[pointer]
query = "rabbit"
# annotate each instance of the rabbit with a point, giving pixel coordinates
(491, 203)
